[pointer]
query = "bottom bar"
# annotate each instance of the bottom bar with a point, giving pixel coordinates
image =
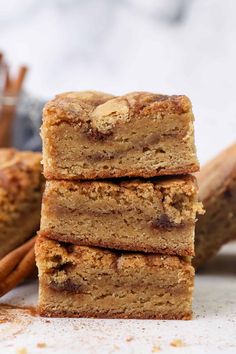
(80, 281)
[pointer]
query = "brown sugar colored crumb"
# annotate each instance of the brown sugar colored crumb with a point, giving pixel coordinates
(80, 281)
(21, 185)
(155, 215)
(177, 343)
(129, 339)
(91, 135)
(41, 345)
(22, 351)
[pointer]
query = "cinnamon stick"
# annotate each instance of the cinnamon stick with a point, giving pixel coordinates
(17, 84)
(12, 259)
(17, 266)
(9, 96)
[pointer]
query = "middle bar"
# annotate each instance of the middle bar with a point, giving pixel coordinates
(156, 215)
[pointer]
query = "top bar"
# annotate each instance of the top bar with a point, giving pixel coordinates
(89, 134)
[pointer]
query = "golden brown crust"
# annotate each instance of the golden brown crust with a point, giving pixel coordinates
(189, 181)
(44, 313)
(183, 252)
(121, 173)
(15, 166)
(75, 107)
(9, 157)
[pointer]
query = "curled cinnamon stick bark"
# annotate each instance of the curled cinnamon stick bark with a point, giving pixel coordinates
(9, 94)
(12, 259)
(17, 266)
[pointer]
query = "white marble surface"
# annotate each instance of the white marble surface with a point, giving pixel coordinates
(120, 46)
(211, 331)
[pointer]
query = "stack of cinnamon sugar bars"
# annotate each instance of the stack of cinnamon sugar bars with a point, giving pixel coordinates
(119, 208)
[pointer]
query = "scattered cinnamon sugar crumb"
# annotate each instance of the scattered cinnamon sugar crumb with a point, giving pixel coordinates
(22, 351)
(177, 343)
(156, 349)
(41, 345)
(116, 347)
(129, 338)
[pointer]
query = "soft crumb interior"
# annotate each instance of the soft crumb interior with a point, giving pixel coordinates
(165, 143)
(110, 284)
(148, 216)
(159, 305)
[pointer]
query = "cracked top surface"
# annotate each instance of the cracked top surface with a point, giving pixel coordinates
(104, 111)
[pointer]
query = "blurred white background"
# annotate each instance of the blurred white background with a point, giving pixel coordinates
(166, 46)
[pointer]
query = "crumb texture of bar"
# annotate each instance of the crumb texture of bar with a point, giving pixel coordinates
(21, 187)
(156, 215)
(91, 135)
(217, 191)
(80, 281)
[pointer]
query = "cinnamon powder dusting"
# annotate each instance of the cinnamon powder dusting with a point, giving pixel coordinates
(14, 320)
